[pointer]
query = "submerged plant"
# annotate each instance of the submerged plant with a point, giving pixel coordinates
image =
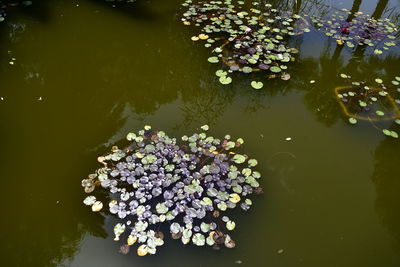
(246, 41)
(372, 102)
(358, 29)
(188, 187)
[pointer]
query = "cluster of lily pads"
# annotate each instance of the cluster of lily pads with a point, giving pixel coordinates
(376, 102)
(352, 29)
(246, 41)
(188, 187)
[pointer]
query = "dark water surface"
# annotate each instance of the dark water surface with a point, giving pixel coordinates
(332, 193)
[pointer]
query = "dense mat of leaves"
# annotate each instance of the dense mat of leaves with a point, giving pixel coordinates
(188, 187)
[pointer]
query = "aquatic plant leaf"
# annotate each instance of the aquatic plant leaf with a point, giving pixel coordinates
(142, 250)
(199, 239)
(119, 228)
(230, 225)
(239, 158)
(352, 120)
(221, 73)
(213, 59)
(225, 80)
(89, 200)
(234, 198)
(97, 206)
(275, 69)
(252, 162)
(257, 85)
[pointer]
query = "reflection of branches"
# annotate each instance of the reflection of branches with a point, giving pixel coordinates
(385, 177)
(312, 7)
(206, 106)
(303, 6)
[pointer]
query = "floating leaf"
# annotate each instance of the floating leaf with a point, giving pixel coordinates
(131, 240)
(221, 73)
(275, 69)
(352, 120)
(97, 206)
(205, 127)
(386, 132)
(213, 59)
(239, 158)
(257, 85)
(234, 198)
(252, 162)
(394, 134)
(225, 80)
(247, 69)
(230, 225)
(119, 228)
(90, 200)
(199, 239)
(142, 250)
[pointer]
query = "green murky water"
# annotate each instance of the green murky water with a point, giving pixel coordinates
(331, 193)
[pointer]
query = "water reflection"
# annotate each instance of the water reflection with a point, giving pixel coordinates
(387, 183)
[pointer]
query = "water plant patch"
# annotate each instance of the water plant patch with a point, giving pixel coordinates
(358, 29)
(244, 40)
(154, 184)
(377, 101)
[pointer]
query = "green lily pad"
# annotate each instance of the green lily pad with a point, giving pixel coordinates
(252, 162)
(222, 206)
(213, 59)
(275, 69)
(225, 80)
(199, 239)
(221, 73)
(230, 225)
(247, 69)
(362, 103)
(239, 158)
(352, 120)
(257, 85)
(394, 134)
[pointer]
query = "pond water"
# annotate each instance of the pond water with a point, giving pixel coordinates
(86, 73)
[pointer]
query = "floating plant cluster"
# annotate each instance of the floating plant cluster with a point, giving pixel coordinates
(155, 183)
(377, 102)
(352, 29)
(246, 41)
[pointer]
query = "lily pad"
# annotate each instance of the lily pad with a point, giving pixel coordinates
(352, 120)
(225, 80)
(275, 69)
(257, 85)
(213, 59)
